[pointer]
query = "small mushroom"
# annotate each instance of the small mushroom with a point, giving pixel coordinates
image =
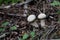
(42, 16)
(7, 6)
(35, 24)
(31, 18)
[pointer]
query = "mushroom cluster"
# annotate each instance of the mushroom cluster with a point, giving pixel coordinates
(41, 16)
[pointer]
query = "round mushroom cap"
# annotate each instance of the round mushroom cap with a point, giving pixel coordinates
(31, 18)
(41, 16)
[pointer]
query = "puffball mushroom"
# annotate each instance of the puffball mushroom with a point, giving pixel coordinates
(31, 18)
(42, 16)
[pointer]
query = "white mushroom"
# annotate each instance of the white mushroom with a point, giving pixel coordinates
(42, 16)
(31, 18)
(7, 6)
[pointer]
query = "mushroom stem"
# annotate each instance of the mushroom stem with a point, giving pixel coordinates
(35, 24)
(42, 23)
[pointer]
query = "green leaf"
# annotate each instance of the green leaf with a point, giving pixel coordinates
(58, 12)
(1, 2)
(2, 29)
(13, 28)
(19, 38)
(6, 1)
(55, 3)
(11, 1)
(59, 20)
(32, 34)
(14, 1)
(5, 23)
(21, 0)
(25, 36)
